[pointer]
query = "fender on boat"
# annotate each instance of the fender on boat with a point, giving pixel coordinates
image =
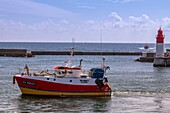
(14, 79)
(99, 82)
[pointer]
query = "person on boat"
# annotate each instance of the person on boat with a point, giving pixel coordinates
(105, 80)
(27, 69)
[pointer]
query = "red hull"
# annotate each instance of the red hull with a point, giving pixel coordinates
(44, 85)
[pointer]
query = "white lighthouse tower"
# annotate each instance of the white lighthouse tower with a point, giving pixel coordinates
(160, 44)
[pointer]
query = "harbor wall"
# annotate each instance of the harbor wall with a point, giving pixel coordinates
(15, 53)
(161, 62)
(28, 53)
(83, 53)
(146, 57)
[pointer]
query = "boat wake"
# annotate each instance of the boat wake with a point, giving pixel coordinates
(139, 93)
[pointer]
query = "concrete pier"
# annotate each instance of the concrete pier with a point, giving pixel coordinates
(83, 53)
(28, 53)
(15, 53)
(146, 57)
(161, 62)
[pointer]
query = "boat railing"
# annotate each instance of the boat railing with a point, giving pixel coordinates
(35, 72)
(46, 72)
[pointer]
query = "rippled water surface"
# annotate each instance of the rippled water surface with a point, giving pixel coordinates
(137, 87)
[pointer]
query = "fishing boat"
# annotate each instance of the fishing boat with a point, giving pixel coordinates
(64, 80)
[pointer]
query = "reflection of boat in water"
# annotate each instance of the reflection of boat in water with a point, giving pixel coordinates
(65, 80)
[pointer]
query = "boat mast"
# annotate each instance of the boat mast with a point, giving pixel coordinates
(101, 45)
(72, 53)
(101, 35)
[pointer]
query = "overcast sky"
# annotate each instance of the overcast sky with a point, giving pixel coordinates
(123, 21)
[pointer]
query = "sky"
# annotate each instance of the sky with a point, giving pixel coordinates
(111, 21)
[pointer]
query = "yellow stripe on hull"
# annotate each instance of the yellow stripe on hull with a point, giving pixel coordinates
(49, 93)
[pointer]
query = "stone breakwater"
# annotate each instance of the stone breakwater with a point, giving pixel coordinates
(83, 53)
(16, 53)
(28, 53)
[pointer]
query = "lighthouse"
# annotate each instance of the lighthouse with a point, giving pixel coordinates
(160, 59)
(160, 44)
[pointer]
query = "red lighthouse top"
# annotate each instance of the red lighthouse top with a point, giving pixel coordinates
(160, 36)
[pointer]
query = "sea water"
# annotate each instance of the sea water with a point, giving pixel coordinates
(137, 87)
